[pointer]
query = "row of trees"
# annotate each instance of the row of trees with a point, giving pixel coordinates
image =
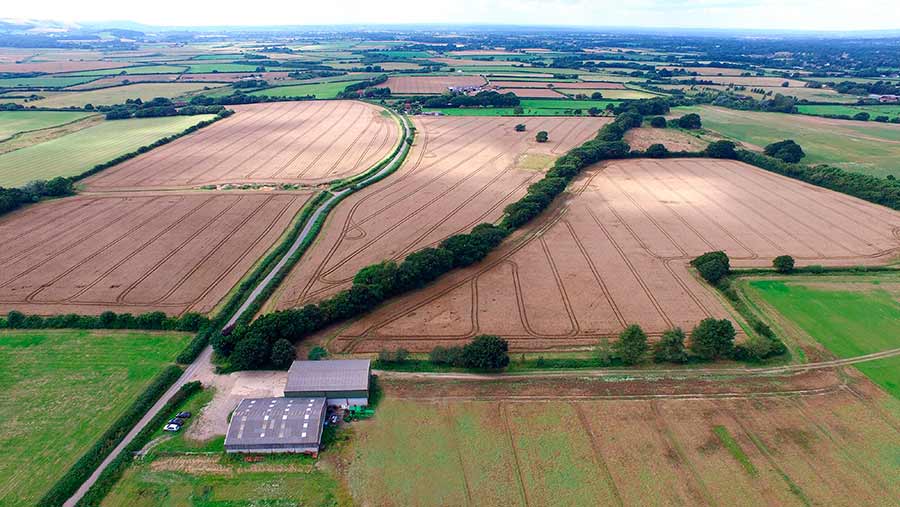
(711, 339)
(354, 90)
(107, 320)
(253, 346)
(487, 98)
(160, 106)
(13, 198)
(484, 352)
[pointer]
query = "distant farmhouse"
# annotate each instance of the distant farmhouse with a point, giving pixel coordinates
(294, 423)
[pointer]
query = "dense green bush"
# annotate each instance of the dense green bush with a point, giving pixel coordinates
(787, 151)
(713, 266)
(670, 347)
(713, 339)
(783, 263)
(658, 122)
(66, 486)
(631, 345)
(690, 121)
(721, 149)
(153, 321)
(656, 151)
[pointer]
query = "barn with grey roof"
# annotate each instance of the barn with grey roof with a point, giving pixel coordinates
(268, 425)
(343, 382)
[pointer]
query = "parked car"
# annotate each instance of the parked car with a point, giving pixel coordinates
(335, 418)
(172, 427)
(183, 415)
(177, 421)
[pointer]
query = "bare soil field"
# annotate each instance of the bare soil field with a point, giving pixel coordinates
(462, 171)
(136, 253)
(279, 142)
(594, 85)
(429, 84)
(125, 79)
(674, 140)
(533, 93)
(836, 445)
(616, 252)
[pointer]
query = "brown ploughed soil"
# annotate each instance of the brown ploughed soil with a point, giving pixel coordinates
(674, 140)
(429, 84)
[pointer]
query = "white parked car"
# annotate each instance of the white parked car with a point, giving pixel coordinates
(172, 427)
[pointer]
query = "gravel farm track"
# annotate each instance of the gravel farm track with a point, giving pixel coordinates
(309, 143)
(461, 171)
(632, 226)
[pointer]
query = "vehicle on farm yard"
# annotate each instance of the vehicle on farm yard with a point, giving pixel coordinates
(178, 421)
(172, 427)
(183, 415)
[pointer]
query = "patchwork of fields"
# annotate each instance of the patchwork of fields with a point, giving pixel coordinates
(616, 253)
(115, 95)
(61, 391)
(460, 172)
(283, 142)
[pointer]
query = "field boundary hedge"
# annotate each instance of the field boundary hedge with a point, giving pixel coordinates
(79, 472)
(114, 471)
(381, 163)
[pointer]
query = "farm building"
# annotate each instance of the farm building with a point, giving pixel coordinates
(343, 382)
(267, 425)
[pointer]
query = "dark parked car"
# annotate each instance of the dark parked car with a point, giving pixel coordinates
(183, 415)
(177, 421)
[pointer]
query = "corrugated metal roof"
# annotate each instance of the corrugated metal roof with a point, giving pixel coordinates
(276, 421)
(332, 375)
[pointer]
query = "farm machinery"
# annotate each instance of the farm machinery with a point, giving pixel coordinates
(356, 413)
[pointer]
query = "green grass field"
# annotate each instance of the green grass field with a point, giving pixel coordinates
(320, 90)
(532, 107)
(850, 316)
(891, 111)
(203, 68)
(144, 487)
(44, 81)
(14, 122)
(143, 69)
(871, 148)
(609, 94)
(118, 94)
(61, 390)
(77, 152)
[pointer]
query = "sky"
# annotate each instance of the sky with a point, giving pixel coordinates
(830, 15)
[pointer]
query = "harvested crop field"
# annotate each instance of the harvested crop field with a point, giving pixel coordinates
(616, 253)
(750, 81)
(534, 93)
(547, 84)
(283, 142)
(59, 66)
(461, 171)
(832, 446)
(124, 80)
(116, 94)
(429, 84)
(136, 253)
(672, 139)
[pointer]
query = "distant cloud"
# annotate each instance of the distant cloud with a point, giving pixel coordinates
(765, 14)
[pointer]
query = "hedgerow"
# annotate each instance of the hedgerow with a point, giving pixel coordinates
(152, 321)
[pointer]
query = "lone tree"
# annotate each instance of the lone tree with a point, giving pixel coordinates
(786, 150)
(596, 95)
(632, 344)
(720, 149)
(670, 348)
(283, 354)
(713, 266)
(783, 263)
(658, 122)
(712, 339)
(518, 110)
(656, 151)
(542, 136)
(486, 352)
(690, 121)
(520, 127)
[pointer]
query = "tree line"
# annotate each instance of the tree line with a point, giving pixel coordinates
(160, 106)
(155, 321)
